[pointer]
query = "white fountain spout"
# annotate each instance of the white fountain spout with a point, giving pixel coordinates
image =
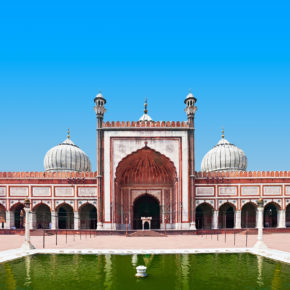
(141, 272)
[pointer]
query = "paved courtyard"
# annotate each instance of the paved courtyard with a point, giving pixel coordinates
(278, 241)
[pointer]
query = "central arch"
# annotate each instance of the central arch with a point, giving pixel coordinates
(145, 171)
(146, 206)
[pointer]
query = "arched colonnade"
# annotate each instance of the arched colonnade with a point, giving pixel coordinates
(63, 217)
(227, 216)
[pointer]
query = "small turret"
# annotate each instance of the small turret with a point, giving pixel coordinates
(190, 107)
(100, 102)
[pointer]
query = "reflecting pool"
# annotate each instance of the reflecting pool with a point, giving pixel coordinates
(201, 271)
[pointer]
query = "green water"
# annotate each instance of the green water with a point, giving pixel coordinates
(203, 271)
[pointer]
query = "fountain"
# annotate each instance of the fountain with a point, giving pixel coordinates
(141, 272)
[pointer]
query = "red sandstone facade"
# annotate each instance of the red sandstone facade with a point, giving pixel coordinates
(213, 192)
(145, 168)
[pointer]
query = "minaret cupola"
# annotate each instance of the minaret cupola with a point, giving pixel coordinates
(190, 107)
(100, 102)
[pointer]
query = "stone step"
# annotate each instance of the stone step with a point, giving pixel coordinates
(147, 233)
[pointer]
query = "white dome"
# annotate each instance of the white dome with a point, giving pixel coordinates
(224, 157)
(66, 157)
(145, 117)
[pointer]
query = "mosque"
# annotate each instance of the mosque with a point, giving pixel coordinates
(145, 177)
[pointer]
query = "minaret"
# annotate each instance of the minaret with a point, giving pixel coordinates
(190, 111)
(100, 111)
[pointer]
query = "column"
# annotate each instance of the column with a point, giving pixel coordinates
(28, 220)
(260, 212)
(33, 224)
(257, 215)
(215, 219)
(8, 220)
(12, 219)
(238, 222)
(76, 221)
(281, 218)
(54, 220)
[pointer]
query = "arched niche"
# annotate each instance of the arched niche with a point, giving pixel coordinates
(146, 206)
(227, 216)
(203, 216)
(271, 215)
(42, 216)
(248, 215)
(65, 216)
(88, 216)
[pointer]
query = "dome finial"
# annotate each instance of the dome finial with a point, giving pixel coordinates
(223, 133)
(145, 116)
(145, 105)
(68, 135)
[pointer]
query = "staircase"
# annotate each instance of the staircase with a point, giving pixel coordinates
(147, 233)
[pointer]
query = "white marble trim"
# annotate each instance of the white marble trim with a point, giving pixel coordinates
(276, 255)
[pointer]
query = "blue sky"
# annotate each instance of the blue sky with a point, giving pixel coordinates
(234, 55)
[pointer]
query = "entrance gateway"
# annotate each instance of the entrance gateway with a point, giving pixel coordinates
(146, 213)
(145, 187)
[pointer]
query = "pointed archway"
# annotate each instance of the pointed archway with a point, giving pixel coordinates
(146, 206)
(145, 171)
(271, 215)
(288, 216)
(227, 216)
(203, 216)
(88, 216)
(43, 216)
(18, 215)
(248, 215)
(2, 216)
(65, 216)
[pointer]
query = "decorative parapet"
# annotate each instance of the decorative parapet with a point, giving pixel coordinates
(235, 174)
(217, 174)
(146, 124)
(48, 175)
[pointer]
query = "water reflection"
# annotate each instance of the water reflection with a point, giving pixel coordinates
(203, 271)
(276, 281)
(185, 270)
(108, 272)
(148, 260)
(10, 279)
(134, 260)
(260, 271)
(27, 271)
